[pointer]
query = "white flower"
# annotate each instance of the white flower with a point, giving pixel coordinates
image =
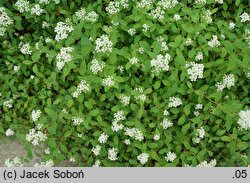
(63, 57)
(141, 50)
(2, 31)
(103, 138)
(161, 63)
(201, 132)
(170, 156)
(77, 120)
(47, 151)
(231, 25)
(134, 133)
(5, 20)
(35, 136)
(244, 17)
(199, 56)
(206, 164)
(109, 81)
(112, 154)
(80, 14)
(119, 116)
(131, 31)
(143, 158)
(244, 120)
(36, 114)
(145, 27)
(127, 141)
(195, 70)
(116, 127)
(166, 123)
(83, 87)
(157, 13)
(48, 163)
(174, 102)
(164, 46)
(214, 42)
(200, 1)
(219, 1)
(16, 68)
(72, 159)
(125, 100)
(113, 7)
(25, 49)
(37, 10)
(91, 16)
(165, 113)
(157, 137)
(22, 6)
(45, 25)
(9, 132)
(62, 30)
(166, 4)
(96, 66)
(198, 106)
(145, 3)
(176, 17)
(8, 103)
(188, 41)
(44, 1)
(207, 17)
(96, 150)
(103, 44)
(97, 163)
(134, 60)
(16, 162)
(228, 82)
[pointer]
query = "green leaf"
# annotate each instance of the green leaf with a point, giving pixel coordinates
(94, 112)
(52, 114)
(226, 138)
(52, 128)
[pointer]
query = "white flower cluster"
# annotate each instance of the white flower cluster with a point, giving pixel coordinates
(25, 48)
(72, 159)
(44, 1)
(228, 82)
(97, 163)
(207, 17)
(63, 57)
(194, 70)
(22, 6)
(127, 141)
(231, 25)
(200, 1)
(103, 138)
(156, 137)
(143, 158)
(199, 135)
(244, 120)
(112, 154)
(244, 17)
(166, 4)
(77, 120)
(188, 41)
(157, 13)
(113, 7)
(5, 21)
(82, 87)
(83, 15)
(8, 103)
(170, 156)
(134, 60)
(145, 27)
(118, 116)
(176, 17)
(16, 162)
(36, 10)
(145, 3)
(134, 133)
(212, 163)
(199, 56)
(96, 66)
(96, 150)
(35, 136)
(125, 100)
(62, 30)
(103, 44)
(160, 63)
(219, 1)
(48, 163)
(131, 31)
(166, 123)
(35, 114)
(214, 42)
(141, 96)
(174, 102)
(9, 132)
(109, 81)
